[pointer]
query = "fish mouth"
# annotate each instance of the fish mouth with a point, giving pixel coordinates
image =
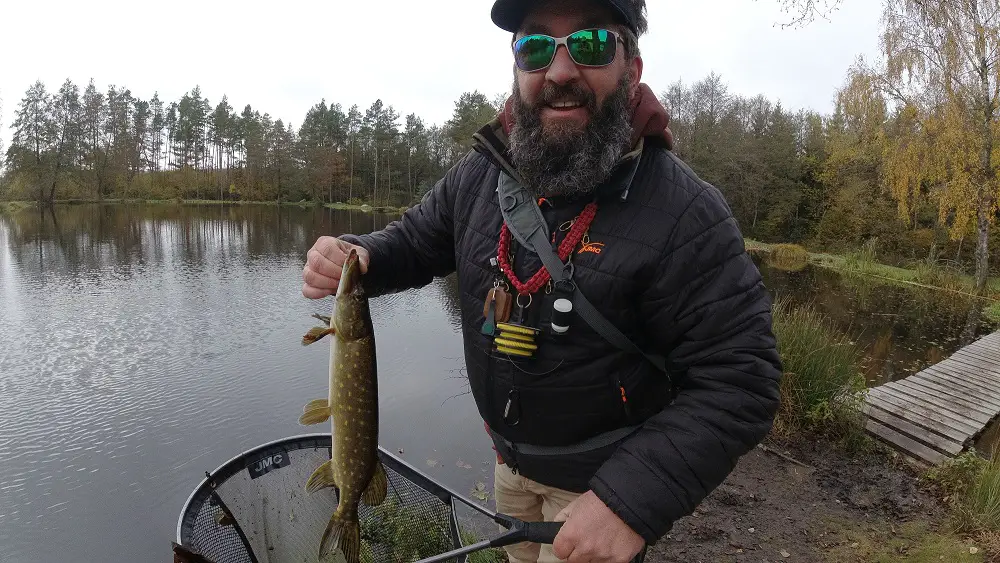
(350, 275)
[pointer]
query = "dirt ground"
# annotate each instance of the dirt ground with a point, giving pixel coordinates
(838, 509)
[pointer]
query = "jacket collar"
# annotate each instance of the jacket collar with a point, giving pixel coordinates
(650, 123)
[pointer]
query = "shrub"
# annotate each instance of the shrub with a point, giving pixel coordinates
(972, 483)
(822, 382)
(790, 257)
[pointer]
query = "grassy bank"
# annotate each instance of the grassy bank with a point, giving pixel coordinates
(862, 262)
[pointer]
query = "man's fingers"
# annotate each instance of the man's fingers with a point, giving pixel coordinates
(324, 265)
(563, 514)
(315, 293)
(562, 545)
(323, 261)
(335, 252)
(319, 281)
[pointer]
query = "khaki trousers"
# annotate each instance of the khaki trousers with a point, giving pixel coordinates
(532, 502)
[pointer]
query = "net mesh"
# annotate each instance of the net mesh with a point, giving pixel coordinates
(255, 508)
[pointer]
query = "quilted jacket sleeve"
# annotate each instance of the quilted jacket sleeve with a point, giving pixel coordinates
(413, 250)
(708, 312)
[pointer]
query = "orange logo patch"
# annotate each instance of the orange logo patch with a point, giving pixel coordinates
(594, 247)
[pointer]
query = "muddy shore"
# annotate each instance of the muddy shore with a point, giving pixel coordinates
(806, 501)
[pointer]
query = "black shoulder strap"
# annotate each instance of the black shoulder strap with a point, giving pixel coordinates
(525, 222)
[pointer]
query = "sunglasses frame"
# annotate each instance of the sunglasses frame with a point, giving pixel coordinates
(564, 42)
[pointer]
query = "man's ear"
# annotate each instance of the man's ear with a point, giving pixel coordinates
(635, 67)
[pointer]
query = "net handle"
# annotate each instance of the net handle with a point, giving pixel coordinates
(520, 531)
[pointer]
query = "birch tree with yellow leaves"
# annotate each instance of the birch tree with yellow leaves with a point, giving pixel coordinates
(942, 71)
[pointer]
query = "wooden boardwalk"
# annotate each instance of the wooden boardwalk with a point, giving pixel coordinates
(936, 413)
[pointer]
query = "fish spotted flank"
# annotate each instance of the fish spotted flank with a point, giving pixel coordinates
(352, 406)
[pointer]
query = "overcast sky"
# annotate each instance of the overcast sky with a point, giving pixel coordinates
(283, 57)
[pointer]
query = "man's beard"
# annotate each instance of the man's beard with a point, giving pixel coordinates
(568, 160)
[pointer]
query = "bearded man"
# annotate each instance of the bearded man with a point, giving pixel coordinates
(621, 384)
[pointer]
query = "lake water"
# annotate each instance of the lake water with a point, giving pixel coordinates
(141, 346)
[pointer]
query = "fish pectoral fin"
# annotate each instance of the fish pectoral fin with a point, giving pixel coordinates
(317, 333)
(315, 412)
(375, 493)
(344, 534)
(324, 318)
(321, 477)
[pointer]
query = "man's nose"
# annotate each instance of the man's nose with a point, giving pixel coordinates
(563, 69)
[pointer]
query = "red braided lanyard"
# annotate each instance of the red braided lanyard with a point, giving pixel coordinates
(541, 277)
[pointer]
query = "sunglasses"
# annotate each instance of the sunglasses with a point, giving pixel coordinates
(587, 47)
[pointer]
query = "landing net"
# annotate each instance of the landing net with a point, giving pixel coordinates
(254, 508)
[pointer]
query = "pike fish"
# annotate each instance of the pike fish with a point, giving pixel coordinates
(352, 406)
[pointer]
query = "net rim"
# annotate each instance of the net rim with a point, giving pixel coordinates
(324, 439)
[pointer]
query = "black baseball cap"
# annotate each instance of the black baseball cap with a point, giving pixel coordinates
(508, 14)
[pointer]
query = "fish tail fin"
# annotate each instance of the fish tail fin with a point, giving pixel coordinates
(377, 487)
(322, 477)
(342, 533)
(316, 333)
(315, 412)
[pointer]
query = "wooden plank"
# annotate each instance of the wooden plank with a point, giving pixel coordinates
(960, 390)
(988, 365)
(962, 401)
(907, 445)
(988, 350)
(969, 373)
(987, 346)
(986, 337)
(921, 416)
(924, 415)
(959, 412)
(930, 439)
(966, 373)
(963, 382)
(970, 361)
(991, 340)
(985, 366)
(961, 372)
(956, 415)
(988, 358)
(986, 341)
(994, 339)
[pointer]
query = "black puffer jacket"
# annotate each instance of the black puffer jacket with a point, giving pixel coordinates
(672, 274)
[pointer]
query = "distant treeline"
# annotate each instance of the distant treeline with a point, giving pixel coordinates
(815, 179)
(790, 176)
(113, 144)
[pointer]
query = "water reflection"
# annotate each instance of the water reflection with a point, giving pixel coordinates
(61, 245)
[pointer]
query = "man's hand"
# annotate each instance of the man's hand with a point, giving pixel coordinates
(592, 533)
(325, 263)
